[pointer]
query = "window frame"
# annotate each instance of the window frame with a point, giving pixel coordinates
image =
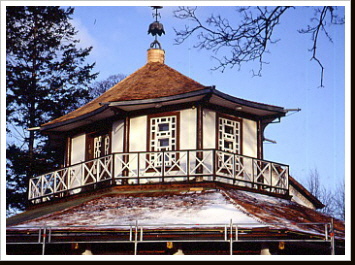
(151, 148)
(234, 119)
(90, 144)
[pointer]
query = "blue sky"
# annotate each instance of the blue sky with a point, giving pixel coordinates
(313, 138)
(317, 137)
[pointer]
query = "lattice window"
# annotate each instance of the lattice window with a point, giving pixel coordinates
(97, 146)
(228, 141)
(229, 135)
(106, 144)
(101, 145)
(163, 137)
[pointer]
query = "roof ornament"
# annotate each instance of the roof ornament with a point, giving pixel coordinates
(156, 28)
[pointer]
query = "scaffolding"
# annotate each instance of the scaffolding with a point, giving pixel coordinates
(136, 234)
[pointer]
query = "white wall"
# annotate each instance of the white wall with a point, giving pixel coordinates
(78, 144)
(138, 134)
(250, 142)
(249, 136)
(117, 136)
(188, 122)
(209, 129)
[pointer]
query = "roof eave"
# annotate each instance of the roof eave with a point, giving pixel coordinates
(280, 111)
(276, 111)
(56, 125)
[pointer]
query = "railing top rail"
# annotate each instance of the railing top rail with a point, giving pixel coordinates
(212, 166)
(152, 152)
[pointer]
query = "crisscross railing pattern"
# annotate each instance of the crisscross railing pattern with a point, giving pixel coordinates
(175, 166)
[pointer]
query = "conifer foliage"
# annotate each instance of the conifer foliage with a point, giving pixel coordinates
(46, 77)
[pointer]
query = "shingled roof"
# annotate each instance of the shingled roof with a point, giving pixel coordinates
(153, 80)
(208, 206)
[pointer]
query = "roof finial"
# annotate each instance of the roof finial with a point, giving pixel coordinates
(156, 28)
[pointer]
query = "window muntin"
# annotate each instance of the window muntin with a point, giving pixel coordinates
(163, 137)
(229, 135)
(98, 145)
(228, 141)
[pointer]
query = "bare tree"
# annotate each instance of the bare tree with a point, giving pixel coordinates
(339, 200)
(326, 196)
(100, 87)
(249, 38)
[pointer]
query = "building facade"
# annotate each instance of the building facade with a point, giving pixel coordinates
(161, 164)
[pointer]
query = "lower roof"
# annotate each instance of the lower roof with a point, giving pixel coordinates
(183, 207)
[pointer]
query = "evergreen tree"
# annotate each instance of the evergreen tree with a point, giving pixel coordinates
(47, 77)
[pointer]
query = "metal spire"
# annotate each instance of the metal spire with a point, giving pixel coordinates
(156, 28)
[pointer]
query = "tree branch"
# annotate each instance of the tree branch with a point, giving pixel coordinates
(247, 42)
(249, 39)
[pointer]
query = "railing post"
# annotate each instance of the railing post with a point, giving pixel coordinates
(288, 182)
(98, 163)
(113, 169)
(29, 196)
(233, 170)
(252, 173)
(82, 174)
(69, 178)
(42, 191)
(163, 167)
(188, 165)
(138, 166)
(215, 164)
(271, 165)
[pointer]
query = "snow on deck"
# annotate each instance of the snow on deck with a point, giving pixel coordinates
(207, 207)
(188, 209)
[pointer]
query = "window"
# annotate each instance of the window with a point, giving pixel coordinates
(163, 137)
(229, 140)
(229, 135)
(98, 145)
(101, 145)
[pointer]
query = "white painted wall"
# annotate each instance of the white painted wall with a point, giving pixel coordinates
(249, 136)
(138, 134)
(117, 136)
(299, 198)
(209, 129)
(188, 120)
(250, 142)
(78, 144)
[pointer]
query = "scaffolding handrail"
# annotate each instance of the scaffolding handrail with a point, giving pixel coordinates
(327, 226)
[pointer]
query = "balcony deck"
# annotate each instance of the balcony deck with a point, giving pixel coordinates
(140, 168)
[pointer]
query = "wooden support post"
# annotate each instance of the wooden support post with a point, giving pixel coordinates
(126, 147)
(199, 139)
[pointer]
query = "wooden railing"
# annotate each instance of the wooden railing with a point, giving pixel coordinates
(138, 168)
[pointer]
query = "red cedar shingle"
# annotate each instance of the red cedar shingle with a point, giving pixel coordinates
(153, 80)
